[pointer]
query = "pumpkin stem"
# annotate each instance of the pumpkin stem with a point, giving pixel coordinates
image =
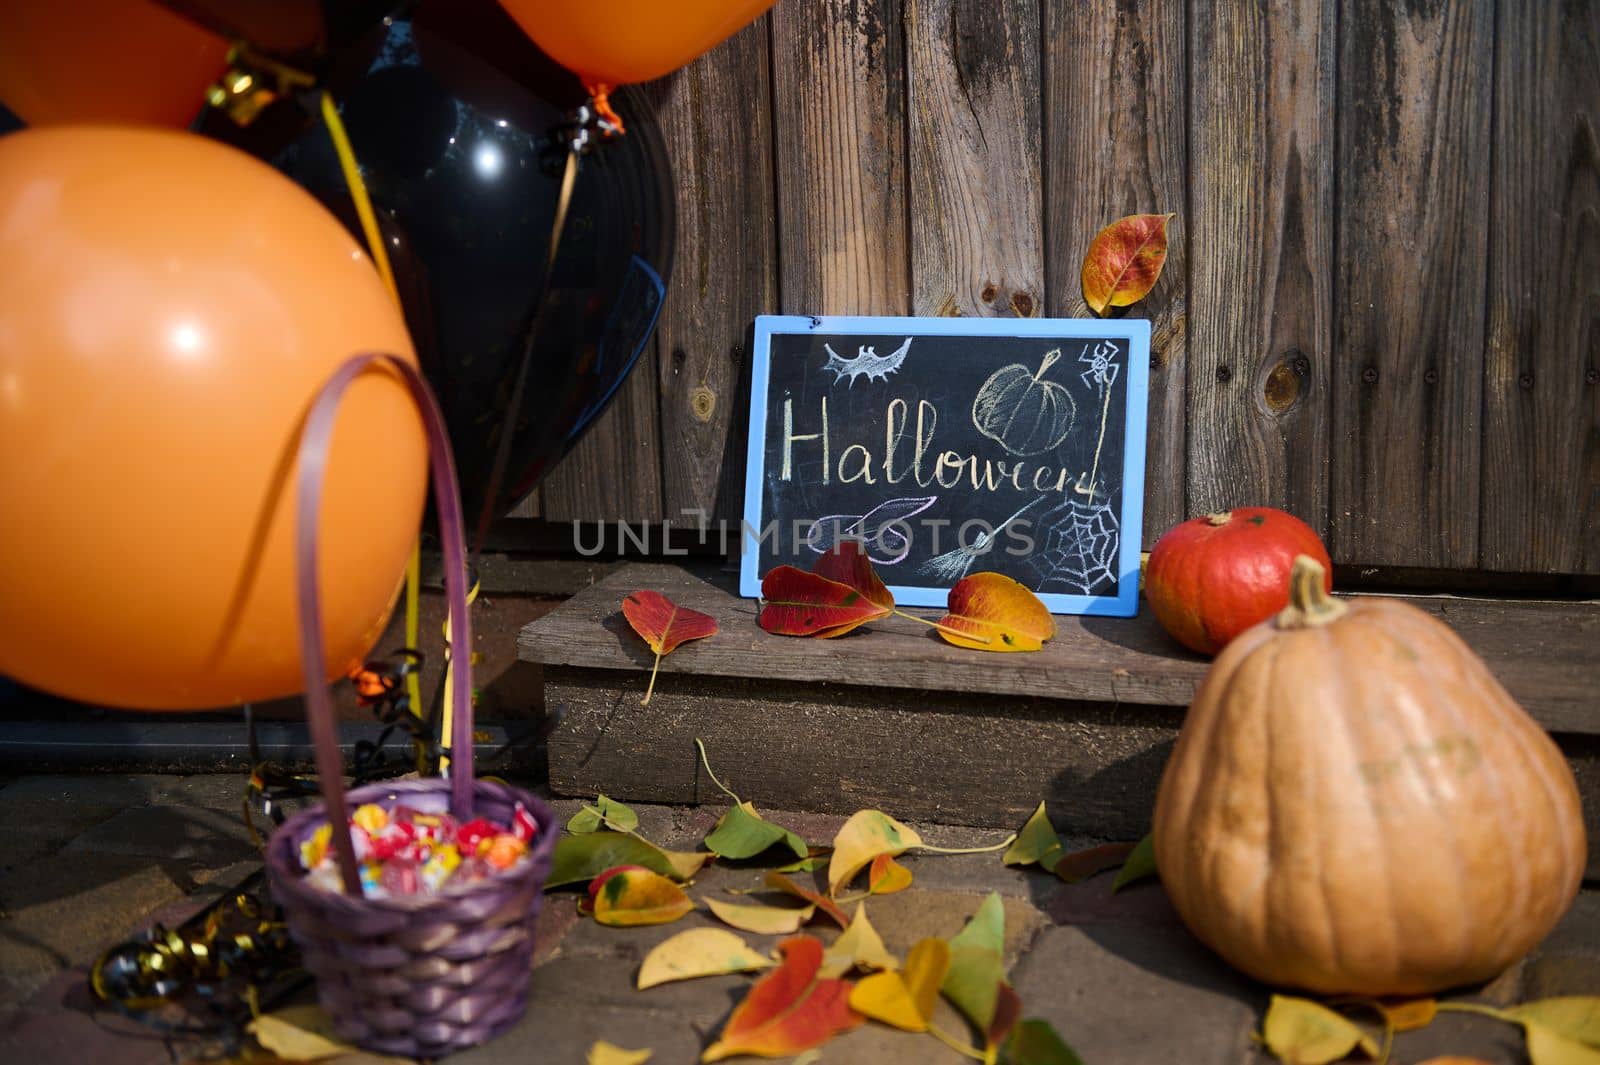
(1220, 518)
(1048, 361)
(1310, 604)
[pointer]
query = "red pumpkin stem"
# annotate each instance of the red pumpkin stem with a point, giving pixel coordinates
(1310, 604)
(1221, 518)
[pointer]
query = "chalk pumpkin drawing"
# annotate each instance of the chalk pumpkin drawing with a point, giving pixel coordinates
(1021, 411)
(866, 363)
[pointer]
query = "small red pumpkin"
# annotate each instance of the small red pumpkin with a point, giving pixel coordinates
(1212, 577)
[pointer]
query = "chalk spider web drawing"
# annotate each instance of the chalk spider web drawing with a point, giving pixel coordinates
(951, 566)
(1081, 542)
(865, 363)
(881, 531)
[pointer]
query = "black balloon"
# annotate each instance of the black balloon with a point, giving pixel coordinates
(459, 123)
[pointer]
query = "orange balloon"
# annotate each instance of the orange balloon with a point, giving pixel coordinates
(622, 41)
(104, 61)
(168, 309)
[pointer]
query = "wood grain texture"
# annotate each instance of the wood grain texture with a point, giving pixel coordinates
(1541, 474)
(922, 755)
(614, 473)
(1414, 81)
(972, 127)
(1261, 279)
(1114, 140)
(838, 72)
(1542, 651)
(717, 121)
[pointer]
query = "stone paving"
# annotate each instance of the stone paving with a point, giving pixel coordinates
(94, 859)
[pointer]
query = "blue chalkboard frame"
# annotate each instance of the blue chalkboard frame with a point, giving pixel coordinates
(1135, 331)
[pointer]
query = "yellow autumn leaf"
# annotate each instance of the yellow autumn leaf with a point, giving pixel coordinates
(1410, 1015)
(866, 835)
(604, 1053)
(859, 946)
(992, 612)
(762, 920)
(905, 999)
(299, 1033)
(1546, 1046)
(1301, 1032)
(698, 952)
(1575, 1017)
(887, 876)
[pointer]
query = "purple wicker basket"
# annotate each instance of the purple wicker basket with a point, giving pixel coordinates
(418, 975)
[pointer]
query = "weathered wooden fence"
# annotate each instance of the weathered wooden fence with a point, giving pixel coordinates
(1381, 310)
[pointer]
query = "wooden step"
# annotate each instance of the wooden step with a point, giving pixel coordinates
(892, 716)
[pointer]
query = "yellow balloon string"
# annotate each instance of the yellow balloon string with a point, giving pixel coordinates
(380, 257)
(445, 722)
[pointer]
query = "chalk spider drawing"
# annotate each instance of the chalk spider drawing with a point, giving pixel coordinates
(1080, 552)
(878, 530)
(1102, 371)
(866, 363)
(951, 566)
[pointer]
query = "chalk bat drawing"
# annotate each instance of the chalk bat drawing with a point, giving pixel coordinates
(876, 530)
(1021, 411)
(866, 363)
(1081, 542)
(1103, 372)
(951, 566)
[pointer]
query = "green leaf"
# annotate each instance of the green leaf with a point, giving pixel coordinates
(579, 859)
(607, 811)
(743, 833)
(1140, 864)
(977, 964)
(1575, 1017)
(1546, 1046)
(1035, 1042)
(1301, 1032)
(1037, 843)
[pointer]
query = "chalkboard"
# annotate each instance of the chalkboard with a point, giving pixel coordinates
(951, 446)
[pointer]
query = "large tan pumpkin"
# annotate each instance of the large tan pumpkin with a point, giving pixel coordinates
(1355, 805)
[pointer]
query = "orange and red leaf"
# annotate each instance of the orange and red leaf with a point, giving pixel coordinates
(1081, 865)
(1124, 261)
(992, 612)
(849, 565)
(664, 624)
(789, 1010)
(779, 882)
(797, 603)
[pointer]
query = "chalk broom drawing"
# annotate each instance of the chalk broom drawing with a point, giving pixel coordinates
(1021, 411)
(866, 363)
(1103, 372)
(1081, 542)
(951, 566)
(876, 530)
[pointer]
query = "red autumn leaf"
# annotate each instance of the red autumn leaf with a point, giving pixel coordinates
(1124, 261)
(664, 625)
(797, 603)
(848, 564)
(992, 612)
(1007, 1012)
(789, 1010)
(1081, 865)
(822, 902)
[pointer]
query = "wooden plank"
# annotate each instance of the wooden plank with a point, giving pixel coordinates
(922, 755)
(933, 755)
(1114, 139)
(972, 68)
(1542, 651)
(716, 116)
(1541, 480)
(614, 474)
(838, 74)
(1413, 164)
(1261, 151)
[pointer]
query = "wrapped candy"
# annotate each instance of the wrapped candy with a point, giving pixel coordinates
(405, 851)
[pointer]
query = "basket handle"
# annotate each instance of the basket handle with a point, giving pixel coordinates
(315, 438)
